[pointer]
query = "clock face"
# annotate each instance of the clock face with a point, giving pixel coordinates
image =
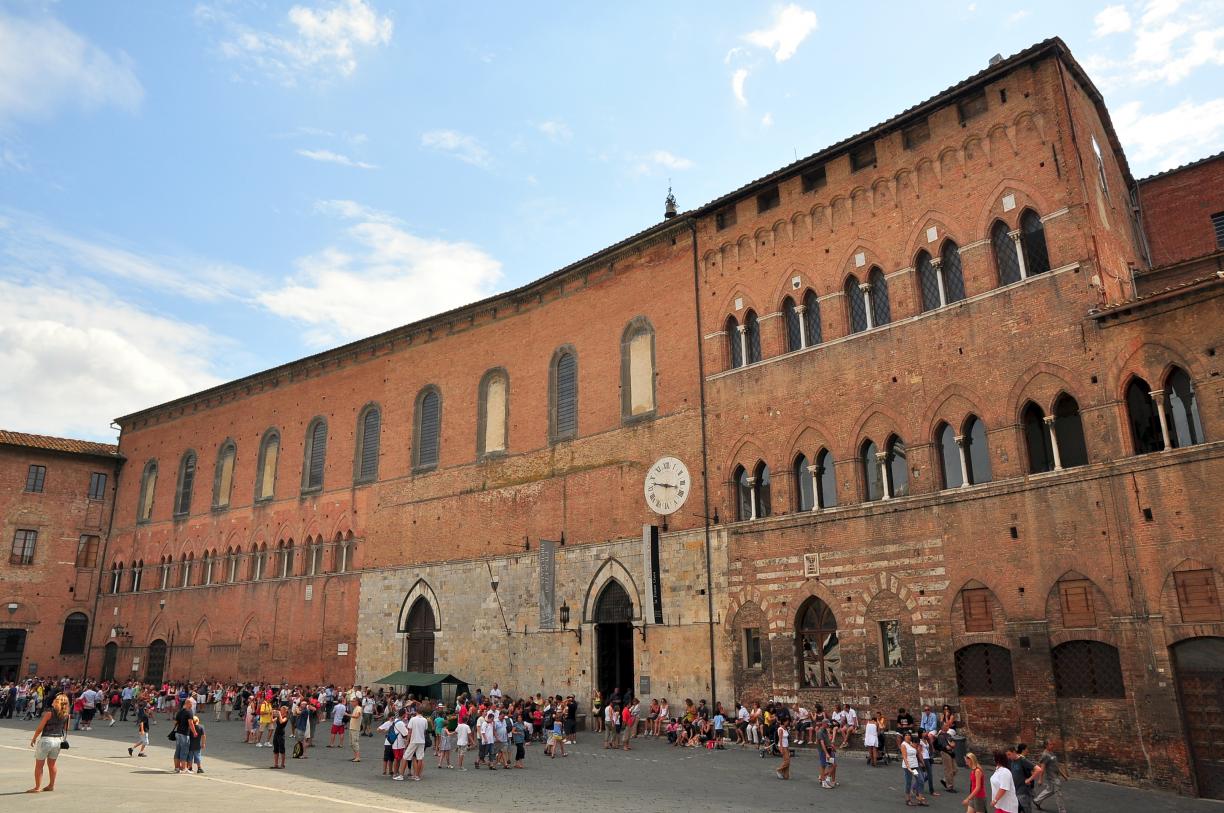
(667, 485)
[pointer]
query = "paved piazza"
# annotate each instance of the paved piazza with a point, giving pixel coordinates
(97, 774)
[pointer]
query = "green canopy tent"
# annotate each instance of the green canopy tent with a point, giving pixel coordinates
(428, 684)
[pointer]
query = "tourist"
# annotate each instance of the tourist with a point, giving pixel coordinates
(416, 743)
(184, 730)
(852, 722)
(927, 722)
(195, 748)
(597, 710)
(913, 771)
(871, 739)
(355, 717)
(783, 771)
(1050, 774)
(945, 746)
(463, 739)
(828, 756)
(397, 738)
(518, 735)
(625, 728)
(339, 723)
(47, 740)
(1022, 773)
(142, 729)
(611, 724)
(558, 740)
(280, 723)
(975, 802)
(926, 758)
(1003, 786)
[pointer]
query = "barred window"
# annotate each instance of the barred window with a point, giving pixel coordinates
(856, 305)
(97, 486)
(984, 670)
(811, 318)
(817, 645)
(880, 311)
(316, 455)
(369, 429)
(794, 337)
(752, 647)
(734, 347)
(1032, 240)
(564, 395)
(1087, 669)
(950, 268)
(928, 282)
(35, 477)
(24, 542)
(73, 640)
(1185, 427)
(1007, 262)
(186, 484)
(752, 333)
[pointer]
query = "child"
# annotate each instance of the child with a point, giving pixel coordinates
(142, 728)
(463, 737)
(443, 740)
(558, 739)
(196, 747)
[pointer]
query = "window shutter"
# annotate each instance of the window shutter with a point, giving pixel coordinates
(318, 454)
(567, 395)
(267, 473)
(1197, 596)
(978, 617)
(371, 426)
(430, 426)
(1076, 599)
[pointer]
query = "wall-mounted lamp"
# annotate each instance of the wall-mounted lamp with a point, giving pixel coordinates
(494, 581)
(162, 604)
(565, 617)
(12, 608)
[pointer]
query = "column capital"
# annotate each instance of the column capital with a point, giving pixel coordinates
(1157, 394)
(936, 262)
(1015, 234)
(812, 469)
(800, 308)
(1049, 420)
(881, 457)
(751, 481)
(742, 329)
(865, 287)
(961, 441)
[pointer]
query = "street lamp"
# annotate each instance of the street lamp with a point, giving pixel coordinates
(565, 617)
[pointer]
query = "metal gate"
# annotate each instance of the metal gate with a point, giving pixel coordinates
(1200, 686)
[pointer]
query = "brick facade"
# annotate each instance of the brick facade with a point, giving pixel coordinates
(1079, 551)
(1177, 208)
(49, 487)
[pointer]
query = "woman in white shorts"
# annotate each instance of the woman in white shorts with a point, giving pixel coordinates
(47, 740)
(871, 739)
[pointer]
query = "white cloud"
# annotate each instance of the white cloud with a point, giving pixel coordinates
(315, 42)
(462, 146)
(737, 85)
(555, 130)
(75, 357)
(1112, 20)
(668, 161)
(327, 156)
(1017, 16)
(29, 243)
(767, 120)
(1158, 141)
(791, 26)
(1156, 10)
(380, 276)
(46, 66)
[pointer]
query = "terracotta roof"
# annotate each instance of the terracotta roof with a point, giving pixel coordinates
(52, 444)
(1163, 292)
(1186, 166)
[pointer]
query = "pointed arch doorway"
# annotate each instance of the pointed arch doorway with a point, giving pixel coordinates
(613, 618)
(419, 643)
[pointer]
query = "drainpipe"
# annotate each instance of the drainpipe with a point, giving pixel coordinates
(705, 468)
(110, 524)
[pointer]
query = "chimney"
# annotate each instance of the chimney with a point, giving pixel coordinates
(996, 59)
(669, 207)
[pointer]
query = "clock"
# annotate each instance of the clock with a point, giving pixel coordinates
(667, 485)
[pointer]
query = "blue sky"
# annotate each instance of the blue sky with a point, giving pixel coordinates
(190, 193)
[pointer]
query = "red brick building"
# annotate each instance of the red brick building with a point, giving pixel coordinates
(946, 432)
(55, 504)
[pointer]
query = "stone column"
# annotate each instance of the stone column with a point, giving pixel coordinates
(799, 311)
(743, 340)
(937, 264)
(1158, 397)
(752, 500)
(1049, 422)
(814, 473)
(882, 463)
(961, 443)
(865, 287)
(1015, 236)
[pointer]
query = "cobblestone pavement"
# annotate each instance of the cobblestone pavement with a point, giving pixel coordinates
(97, 774)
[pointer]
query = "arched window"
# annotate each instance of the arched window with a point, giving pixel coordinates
(950, 269)
(369, 436)
(735, 346)
(1069, 432)
(761, 490)
(419, 638)
(1037, 439)
(1182, 406)
(315, 455)
(929, 282)
(752, 337)
(493, 413)
(949, 457)
(76, 626)
(428, 430)
(826, 480)
(637, 369)
(613, 605)
(977, 454)
(563, 395)
(186, 483)
(794, 325)
(984, 670)
(1007, 261)
(873, 482)
(1032, 240)
(148, 485)
(1142, 416)
(223, 475)
(805, 496)
(743, 494)
(265, 474)
(1087, 669)
(856, 305)
(881, 312)
(811, 319)
(898, 468)
(817, 646)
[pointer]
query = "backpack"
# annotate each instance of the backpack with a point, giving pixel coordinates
(392, 736)
(298, 750)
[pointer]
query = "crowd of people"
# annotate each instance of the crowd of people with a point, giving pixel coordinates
(498, 728)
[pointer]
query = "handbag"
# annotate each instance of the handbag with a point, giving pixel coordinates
(170, 735)
(64, 746)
